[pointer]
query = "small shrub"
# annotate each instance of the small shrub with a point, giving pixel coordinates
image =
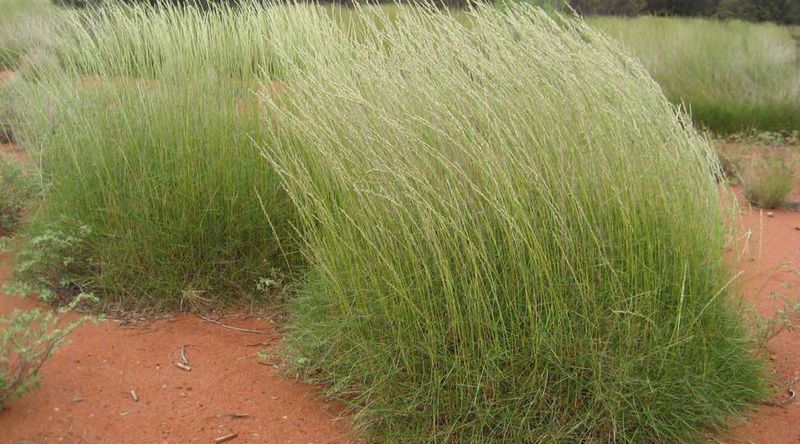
(768, 182)
(730, 165)
(55, 264)
(785, 318)
(28, 338)
(16, 190)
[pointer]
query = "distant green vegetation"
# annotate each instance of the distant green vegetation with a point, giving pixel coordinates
(734, 76)
(23, 25)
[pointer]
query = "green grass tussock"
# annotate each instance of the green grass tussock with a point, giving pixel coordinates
(767, 182)
(16, 189)
(143, 123)
(512, 237)
(734, 76)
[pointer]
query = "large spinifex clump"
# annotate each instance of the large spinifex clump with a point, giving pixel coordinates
(143, 121)
(512, 236)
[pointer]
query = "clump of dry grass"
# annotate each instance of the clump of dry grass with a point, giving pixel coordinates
(767, 181)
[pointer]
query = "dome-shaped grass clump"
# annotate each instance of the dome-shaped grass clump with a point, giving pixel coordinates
(512, 236)
(142, 120)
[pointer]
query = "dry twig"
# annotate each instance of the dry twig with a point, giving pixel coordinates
(243, 330)
(183, 366)
(226, 438)
(183, 355)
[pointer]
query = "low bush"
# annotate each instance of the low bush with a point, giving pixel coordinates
(28, 339)
(767, 182)
(55, 263)
(143, 122)
(512, 237)
(16, 189)
(733, 76)
(730, 164)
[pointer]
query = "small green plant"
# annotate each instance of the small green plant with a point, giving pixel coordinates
(784, 319)
(729, 164)
(16, 190)
(55, 264)
(28, 338)
(768, 182)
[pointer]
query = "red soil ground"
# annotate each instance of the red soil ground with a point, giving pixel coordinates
(85, 396)
(771, 266)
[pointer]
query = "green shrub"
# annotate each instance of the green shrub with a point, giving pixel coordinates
(730, 164)
(143, 122)
(511, 235)
(16, 189)
(767, 182)
(28, 338)
(733, 76)
(55, 263)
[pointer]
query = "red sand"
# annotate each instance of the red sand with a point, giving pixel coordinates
(774, 273)
(85, 392)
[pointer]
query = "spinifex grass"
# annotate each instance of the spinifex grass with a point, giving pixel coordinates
(512, 236)
(767, 182)
(735, 76)
(143, 121)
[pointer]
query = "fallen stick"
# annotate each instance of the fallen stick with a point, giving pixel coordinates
(183, 355)
(239, 415)
(226, 438)
(183, 366)
(243, 330)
